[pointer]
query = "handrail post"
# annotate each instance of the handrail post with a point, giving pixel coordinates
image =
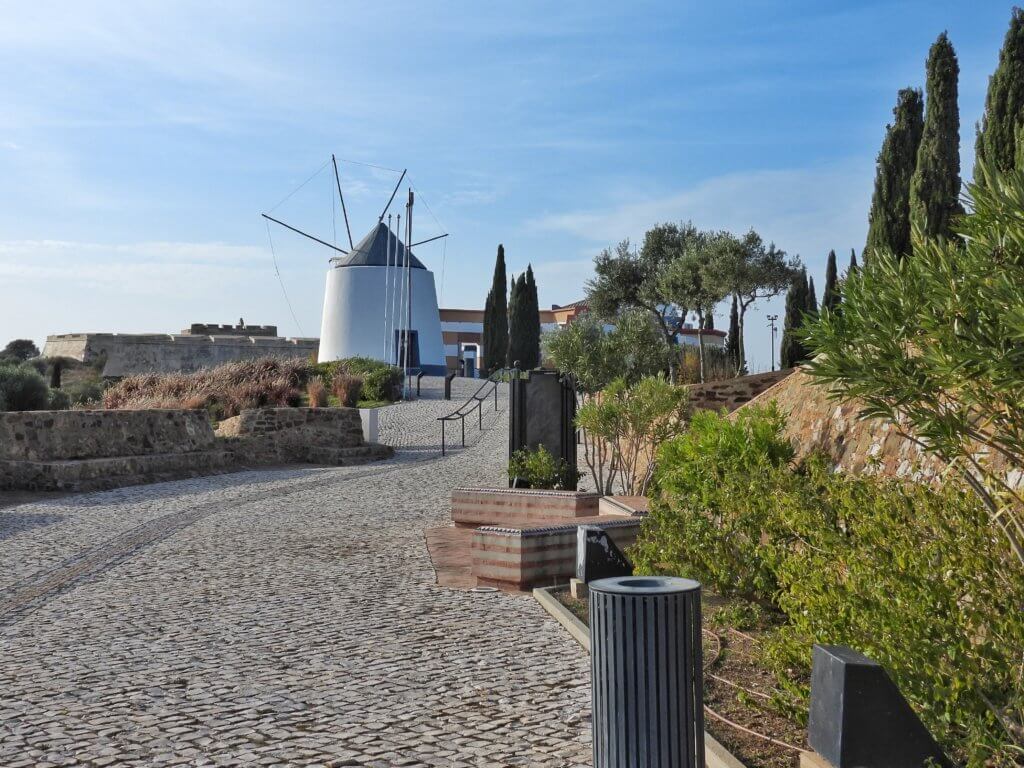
(480, 414)
(463, 419)
(442, 436)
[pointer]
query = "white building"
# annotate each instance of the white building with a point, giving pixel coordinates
(369, 299)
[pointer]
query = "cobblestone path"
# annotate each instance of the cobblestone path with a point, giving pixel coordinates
(277, 617)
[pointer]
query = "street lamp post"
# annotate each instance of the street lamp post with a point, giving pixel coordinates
(771, 323)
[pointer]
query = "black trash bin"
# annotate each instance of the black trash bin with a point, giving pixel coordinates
(647, 672)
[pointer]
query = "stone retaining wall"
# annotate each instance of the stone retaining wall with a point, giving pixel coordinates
(86, 450)
(815, 423)
(730, 394)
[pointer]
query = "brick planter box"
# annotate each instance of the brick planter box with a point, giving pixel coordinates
(500, 506)
(540, 556)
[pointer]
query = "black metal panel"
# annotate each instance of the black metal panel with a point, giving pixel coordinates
(647, 673)
(858, 717)
(542, 411)
(597, 556)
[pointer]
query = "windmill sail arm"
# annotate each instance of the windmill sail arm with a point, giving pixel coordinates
(304, 234)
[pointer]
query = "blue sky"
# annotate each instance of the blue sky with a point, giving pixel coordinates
(139, 142)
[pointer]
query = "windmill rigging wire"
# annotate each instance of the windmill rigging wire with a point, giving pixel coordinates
(277, 271)
(289, 195)
(444, 252)
(368, 165)
(444, 260)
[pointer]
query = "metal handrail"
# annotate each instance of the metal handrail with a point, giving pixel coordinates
(477, 400)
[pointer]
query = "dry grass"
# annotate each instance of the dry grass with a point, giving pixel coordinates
(225, 390)
(316, 393)
(347, 388)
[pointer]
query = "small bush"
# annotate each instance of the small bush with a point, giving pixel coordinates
(348, 389)
(84, 392)
(58, 400)
(316, 393)
(23, 388)
(383, 384)
(713, 499)
(911, 575)
(539, 469)
(380, 381)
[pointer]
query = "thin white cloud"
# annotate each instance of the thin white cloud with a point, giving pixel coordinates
(802, 210)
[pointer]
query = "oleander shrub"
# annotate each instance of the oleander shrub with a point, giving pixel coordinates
(22, 388)
(348, 389)
(541, 470)
(712, 499)
(912, 575)
(916, 578)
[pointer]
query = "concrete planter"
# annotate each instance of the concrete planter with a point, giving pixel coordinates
(507, 506)
(371, 424)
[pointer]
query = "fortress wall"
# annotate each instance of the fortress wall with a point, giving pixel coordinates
(128, 354)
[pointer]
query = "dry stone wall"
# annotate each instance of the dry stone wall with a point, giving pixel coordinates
(730, 394)
(61, 435)
(816, 423)
(84, 450)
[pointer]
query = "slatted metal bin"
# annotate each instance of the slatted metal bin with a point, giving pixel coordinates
(647, 672)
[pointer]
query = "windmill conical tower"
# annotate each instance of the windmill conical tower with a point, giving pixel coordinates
(366, 310)
(380, 300)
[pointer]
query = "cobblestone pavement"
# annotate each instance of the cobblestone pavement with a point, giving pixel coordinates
(277, 617)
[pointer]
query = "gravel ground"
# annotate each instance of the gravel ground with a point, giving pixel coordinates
(279, 617)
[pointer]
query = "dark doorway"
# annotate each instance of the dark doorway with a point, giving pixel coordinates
(408, 356)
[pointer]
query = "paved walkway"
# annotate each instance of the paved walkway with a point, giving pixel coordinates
(277, 617)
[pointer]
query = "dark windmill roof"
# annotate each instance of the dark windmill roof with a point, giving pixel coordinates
(372, 251)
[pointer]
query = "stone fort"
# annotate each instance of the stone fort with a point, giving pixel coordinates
(201, 345)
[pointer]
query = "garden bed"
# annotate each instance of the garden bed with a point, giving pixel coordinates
(737, 687)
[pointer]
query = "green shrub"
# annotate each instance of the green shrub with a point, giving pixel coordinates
(23, 388)
(84, 392)
(632, 421)
(382, 383)
(380, 380)
(58, 400)
(915, 578)
(911, 575)
(713, 497)
(539, 469)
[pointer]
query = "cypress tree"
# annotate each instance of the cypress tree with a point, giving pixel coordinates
(495, 333)
(889, 220)
(830, 298)
(732, 341)
(853, 261)
(935, 185)
(792, 351)
(518, 330)
(531, 350)
(1004, 104)
(812, 298)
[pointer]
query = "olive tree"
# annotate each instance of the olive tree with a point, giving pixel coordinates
(596, 355)
(747, 269)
